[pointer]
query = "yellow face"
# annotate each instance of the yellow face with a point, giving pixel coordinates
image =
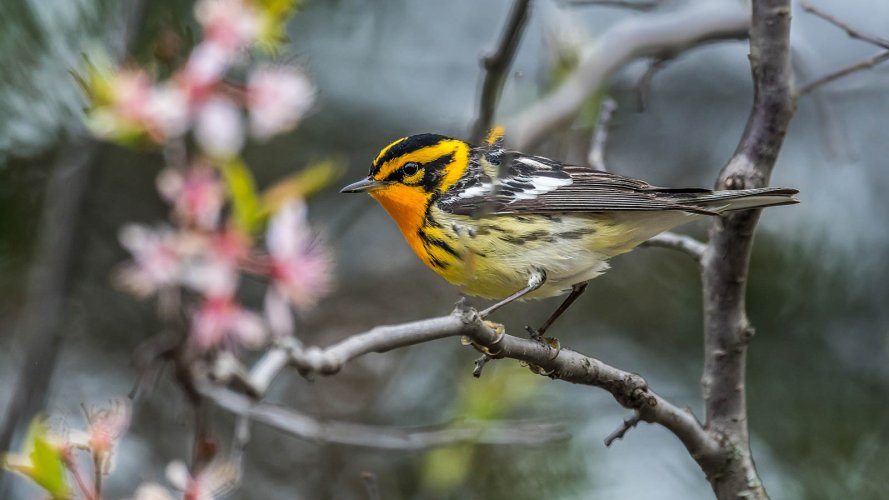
(408, 174)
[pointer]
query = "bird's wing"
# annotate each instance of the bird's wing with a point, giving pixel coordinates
(534, 184)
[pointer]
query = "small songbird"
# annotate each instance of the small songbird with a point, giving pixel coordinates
(500, 224)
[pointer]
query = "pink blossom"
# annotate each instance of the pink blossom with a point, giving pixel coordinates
(277, 99)
(222, 321)
(131, 90)
(219, 127)
(152, 491)
(230, 24)
(197, 195)
(299, 266)
(136, 107)
(214, 481)
(206, 66)
(156, 263)
(278, 314)
(105, 426)
(166, 112)
(213, 269)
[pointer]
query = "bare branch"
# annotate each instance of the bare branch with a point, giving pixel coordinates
(479, 365)
(629, 389)
(864, 64)
(371, 485)
(685, 244)
(623, 4)
(655, 35)
(643, 88)
(496, 66)
(628, 423)
(852, 32)
(596, 158)
(726, 327)
(330, 360)
(306, 427)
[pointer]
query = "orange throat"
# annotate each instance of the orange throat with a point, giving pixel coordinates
(407, 206)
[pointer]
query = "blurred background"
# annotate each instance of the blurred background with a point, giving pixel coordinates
(818, 374)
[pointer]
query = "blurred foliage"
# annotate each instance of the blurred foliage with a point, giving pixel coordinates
(244, 197)
(41, 461)
(493, 396)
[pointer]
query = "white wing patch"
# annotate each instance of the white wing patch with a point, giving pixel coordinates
(542, 184)
(480, 190)
(525, 186)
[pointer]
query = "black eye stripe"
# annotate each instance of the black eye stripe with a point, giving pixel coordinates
(408, 145)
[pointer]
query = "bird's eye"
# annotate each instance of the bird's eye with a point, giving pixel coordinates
(410, 169)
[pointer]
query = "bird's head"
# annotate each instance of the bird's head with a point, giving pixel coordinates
(414, 168)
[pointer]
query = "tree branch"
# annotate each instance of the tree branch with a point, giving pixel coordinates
(621, 431)
(496, 65)
(656, 35)
(624, 4)
(852, 32)
(309, 428)
(864, 64)
(685, 244)
(596, 158)
(726, 327)
(629, 389)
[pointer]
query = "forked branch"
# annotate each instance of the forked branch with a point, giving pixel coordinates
(628, 389)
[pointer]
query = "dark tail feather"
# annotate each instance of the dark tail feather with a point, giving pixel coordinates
(742, 199)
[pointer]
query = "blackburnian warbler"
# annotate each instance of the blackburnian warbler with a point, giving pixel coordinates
(500, 224)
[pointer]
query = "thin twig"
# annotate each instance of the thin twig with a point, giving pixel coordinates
(304, 426)
(596, 158)
(371, 485)
(864, 64)
(627, 424)
(643, 88)
(623, 4)
(852, 32)
(79, 480)
(479, 365)
(496, 66)
(685, 244)
(835, 139)
(652, 35)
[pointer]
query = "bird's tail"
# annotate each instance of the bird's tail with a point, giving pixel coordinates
(719, 202)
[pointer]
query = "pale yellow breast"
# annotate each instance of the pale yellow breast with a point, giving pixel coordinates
(499, 253)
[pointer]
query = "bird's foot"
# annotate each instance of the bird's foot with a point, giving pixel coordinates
(550, 342)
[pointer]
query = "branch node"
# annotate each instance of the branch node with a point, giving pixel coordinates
(628, 423)
(480, 364)
(747, 333)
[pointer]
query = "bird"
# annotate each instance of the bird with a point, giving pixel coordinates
(504, 225)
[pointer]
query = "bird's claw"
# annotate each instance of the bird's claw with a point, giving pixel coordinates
(550, 342)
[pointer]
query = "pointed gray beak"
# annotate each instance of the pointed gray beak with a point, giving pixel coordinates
(362, 186)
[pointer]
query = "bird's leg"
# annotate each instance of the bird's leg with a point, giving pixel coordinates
(535, 281)
(537, 334)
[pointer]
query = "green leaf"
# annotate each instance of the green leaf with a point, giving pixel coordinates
(302, 184)
(42, 463)
(242, 190)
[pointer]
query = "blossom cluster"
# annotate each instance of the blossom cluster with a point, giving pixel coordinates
(128, 105)
(220, 229)
(205, 254)
(216, 213)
